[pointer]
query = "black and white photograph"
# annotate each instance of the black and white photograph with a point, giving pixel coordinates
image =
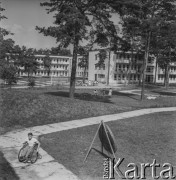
(87, 89)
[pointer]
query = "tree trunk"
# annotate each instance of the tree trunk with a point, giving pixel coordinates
(140, 78)
(129, 69)
(108, 67)
(166, 82)
(145, 64)
(130, 62)
(156, 66)
(73, 71)
(84, 75)
(167, 70)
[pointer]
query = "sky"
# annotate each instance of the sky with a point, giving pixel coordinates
(23, 16)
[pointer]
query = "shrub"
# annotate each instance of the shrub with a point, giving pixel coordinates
(9, 74)
(31, 82)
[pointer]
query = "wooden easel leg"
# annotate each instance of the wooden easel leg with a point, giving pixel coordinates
(90, 148)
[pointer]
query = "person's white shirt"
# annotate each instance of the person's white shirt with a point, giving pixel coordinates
(32, 141)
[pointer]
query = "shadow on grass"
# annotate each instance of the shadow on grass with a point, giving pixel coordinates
(83, 96)
(164, 93)
(130, 95)
(101, 153)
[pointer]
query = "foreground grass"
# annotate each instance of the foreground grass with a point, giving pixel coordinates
(6, 171)
(26, 108)
(139, 140)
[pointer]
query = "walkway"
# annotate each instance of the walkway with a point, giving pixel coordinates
(47, 168)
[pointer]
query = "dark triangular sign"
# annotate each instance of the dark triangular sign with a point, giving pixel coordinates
(106, 138)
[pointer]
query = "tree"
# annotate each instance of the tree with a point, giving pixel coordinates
(9, 74)
(132, 40)
(60, 51)
(84, 52)
(47, 63)
(6, 48)
(6, 45)
(3, 32)
(26, 60)
(150, 14)
(77, 21)
(102, 57)
(42, 51)
(167, 45)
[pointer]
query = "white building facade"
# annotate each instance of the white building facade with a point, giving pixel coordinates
(116, 69)
(172, 74)
(60, 67)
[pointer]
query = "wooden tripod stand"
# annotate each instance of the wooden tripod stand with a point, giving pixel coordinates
(104, 130)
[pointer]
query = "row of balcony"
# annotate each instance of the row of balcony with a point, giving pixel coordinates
(127, 61)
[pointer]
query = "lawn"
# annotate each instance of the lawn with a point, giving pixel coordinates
(139, 140)
(27, 107)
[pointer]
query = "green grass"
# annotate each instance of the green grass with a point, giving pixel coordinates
(26, 107)
(6, 171)
(139, 140)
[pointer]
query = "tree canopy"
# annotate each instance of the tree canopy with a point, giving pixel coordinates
(76, 21)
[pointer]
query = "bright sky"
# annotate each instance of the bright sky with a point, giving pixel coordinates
(23, 16)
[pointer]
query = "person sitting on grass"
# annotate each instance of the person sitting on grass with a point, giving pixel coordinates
(30, 143)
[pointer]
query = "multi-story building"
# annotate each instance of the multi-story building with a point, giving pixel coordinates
(116, 68)
(172, 74)
(60, 67)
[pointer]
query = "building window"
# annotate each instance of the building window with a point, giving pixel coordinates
(124, 67)
(115, 76)
(149, 69)
(116, 67)
(119, 77)
(101, 76)
(151, 60)
(134, 76)
(131, 77)
(96, 56)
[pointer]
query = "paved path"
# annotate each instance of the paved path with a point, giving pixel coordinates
(47, 168)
